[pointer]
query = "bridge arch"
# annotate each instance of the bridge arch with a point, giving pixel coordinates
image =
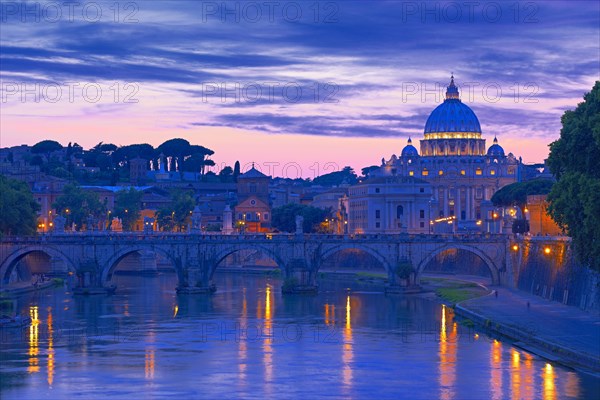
(109, 267)
(229, 250)
(490, 264)
(330, 251)
(13, 259)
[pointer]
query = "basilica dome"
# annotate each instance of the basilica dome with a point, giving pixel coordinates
(452, 116)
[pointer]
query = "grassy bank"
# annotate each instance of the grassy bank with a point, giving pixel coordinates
(453, 291)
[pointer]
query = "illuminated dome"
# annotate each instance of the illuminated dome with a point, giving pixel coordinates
(409, 150)
(452, 116)
(495, 150)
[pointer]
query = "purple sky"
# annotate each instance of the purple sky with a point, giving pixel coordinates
(310, 86)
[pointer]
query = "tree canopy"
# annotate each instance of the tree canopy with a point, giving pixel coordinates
(575, 161)
(77, 205)
(128, 204)
(18, 208)
(346, 175)
(516, 193)
(46, 147)
(176, 215)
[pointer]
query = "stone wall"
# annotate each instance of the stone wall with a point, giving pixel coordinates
(546, 267)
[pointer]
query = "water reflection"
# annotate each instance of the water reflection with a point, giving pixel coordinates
(267, 342)
(549, 386)
(242, 343)
(34, 332)
(82, 349)
(347, 353)
(515, 375)
(50, 348)
(329, 314)
(448, 349)
(496, 370)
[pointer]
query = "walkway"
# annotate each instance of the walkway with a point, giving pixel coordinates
(566, 332)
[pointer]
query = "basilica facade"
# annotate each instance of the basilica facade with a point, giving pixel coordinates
(453, 158)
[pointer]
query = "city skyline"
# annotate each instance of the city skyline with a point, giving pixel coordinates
(368, 75)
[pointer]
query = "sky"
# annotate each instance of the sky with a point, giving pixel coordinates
(301, 88)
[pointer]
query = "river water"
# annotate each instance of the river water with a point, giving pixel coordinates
(250, 341)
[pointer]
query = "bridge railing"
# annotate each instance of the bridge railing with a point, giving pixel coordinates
(201, 237)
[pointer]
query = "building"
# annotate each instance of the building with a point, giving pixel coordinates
(540, 223)
(454, 160)
(392, 204)
(253, 211)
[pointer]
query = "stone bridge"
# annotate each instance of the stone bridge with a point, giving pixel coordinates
(91, 258)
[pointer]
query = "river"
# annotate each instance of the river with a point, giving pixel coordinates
(250, 341)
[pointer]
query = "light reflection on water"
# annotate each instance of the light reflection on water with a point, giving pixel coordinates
(250, 341)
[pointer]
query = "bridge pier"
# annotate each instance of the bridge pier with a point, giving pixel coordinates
(197, 280)
(402, 279)
(89, 280)
(299, 278)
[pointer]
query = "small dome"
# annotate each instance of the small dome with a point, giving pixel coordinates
(495, 150)
(409, 150)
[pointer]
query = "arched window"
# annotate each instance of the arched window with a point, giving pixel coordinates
(399, 212)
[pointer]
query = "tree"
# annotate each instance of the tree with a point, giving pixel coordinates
(574, 161)
(46, 147)
(77, 205)
(18, 208)
(128, 204)
(516, 193)
(346, 175)
(176, 215)
(226, 174)
(236, 170)
(367, 170)
(177, 149)
(284, 217)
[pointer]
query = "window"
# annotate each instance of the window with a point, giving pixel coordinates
(511, 171)
(493, 172)
(478, 193)
(411, 173)
(463, 172)
(377, 190)
(441, 172)
(421, 190)
(399, 212)
(425, 172)
(478, 171)
(266, 216)
(421, 213)
(377, 213)
(422, 224)
(252, 188)
(377, 224)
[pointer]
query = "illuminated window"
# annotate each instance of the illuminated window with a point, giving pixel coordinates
(411, 173)
(425, 172)
(463, 172)
(493, 172)
(440, 172)
(478, 171)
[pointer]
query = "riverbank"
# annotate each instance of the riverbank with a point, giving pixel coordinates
(559, 333)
